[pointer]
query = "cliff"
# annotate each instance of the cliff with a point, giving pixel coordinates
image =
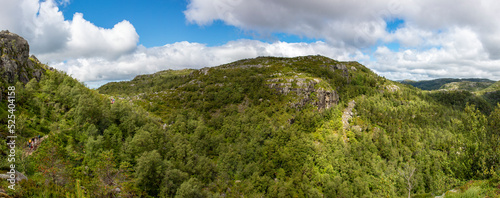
(15, 62)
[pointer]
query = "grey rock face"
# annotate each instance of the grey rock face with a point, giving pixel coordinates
(15, 62)
(305, 89)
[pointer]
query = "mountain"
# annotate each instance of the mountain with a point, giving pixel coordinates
(333, 128)
(483, 93)
(492, 88)
(264, 127)
(470, 84)
(313, 79)
(467, 86)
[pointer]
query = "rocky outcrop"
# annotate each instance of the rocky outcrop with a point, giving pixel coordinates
(19, 176)
(15, 62)
(305, 89)
(339, 66)
(347, 114)
(392, 88)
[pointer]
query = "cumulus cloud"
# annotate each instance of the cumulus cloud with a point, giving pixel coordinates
(342, 23)
(353, 23)
(438, 38)
(460, 55)
(54, 38)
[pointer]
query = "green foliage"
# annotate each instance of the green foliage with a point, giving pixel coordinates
(459, 99)
(475, 188)
(172, 181)
(152, 83)
(476, 152)
(79, 192)
(440, 83)
(470, 193)
(190, 188)
(149, 170)
(492, 88)
(467, 86)
(225, 132)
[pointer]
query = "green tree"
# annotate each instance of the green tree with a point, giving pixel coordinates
(475, 148)
(172, 181)
(494, 138)
(191, 188)
(149, 172)
(113, 138)
(141, 142)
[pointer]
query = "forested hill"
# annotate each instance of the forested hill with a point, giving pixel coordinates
(482, 92)
(469, 84)
(281, 127)
(265, 127)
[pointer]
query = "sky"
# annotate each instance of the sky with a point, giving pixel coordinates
(99, 41)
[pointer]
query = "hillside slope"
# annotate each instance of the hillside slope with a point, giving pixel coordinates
(483, 93)
(493, 87)
(491, 93)
(466, 86)
(83, 134)
(303, 80)
(274, 127)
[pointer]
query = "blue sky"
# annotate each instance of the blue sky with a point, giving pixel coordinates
(102, 41)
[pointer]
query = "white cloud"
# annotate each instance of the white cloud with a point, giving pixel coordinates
(53, 38)
(88, 40)
(343, 23)
(450, 38)
(411, 36)
(460, 55)
(353, 23)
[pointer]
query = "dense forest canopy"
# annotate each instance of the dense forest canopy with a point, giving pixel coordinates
(265, 127)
